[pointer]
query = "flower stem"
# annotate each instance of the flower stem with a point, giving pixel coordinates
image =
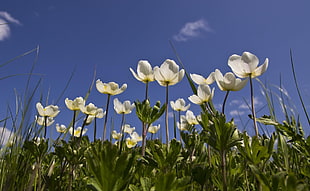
(73, 122)
(106, 118)
(45, 125)
(95, 128)
(122, 132)
(224, 102)
(146, 89)
(166, 117)
(253, 107)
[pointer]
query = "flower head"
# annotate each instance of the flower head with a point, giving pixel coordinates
(246, 65)
(128, 129)
(123, 108)
(198, 79)
(89, 109)
(77, 131)
(154, 128)
(48, 111)
(116, 135)
(179, 105)
(168, 73)
(191, 118)
(41, 120)
(144, 73)
(204, 94)
(61, 128)
(229, 82)
(110, 88)
(133, 140)
(74, 104)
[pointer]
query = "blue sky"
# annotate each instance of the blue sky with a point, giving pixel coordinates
(112, 36)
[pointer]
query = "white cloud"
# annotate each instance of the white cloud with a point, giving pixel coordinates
(192, 29)
(5, 135)
(236, 113)
(5, 20)
(257, 103)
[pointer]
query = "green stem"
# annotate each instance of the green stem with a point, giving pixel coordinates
(146, 89)
(253, 107)
(73, 123)
(144, 132)
(106, 118)
(166, 117)
(95, 128)
(224, 173)
(122, 132)
(224, 102)
(45, 125)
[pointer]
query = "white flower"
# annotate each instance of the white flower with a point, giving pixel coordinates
(128, 129)
(190, 118)
(41, 120)
(116, 135)
(135, 136)
(89, 109)
(168, 73)
(198, 79)
(229, 82)
(246, 65)
(179, 105)
(204, 94)
(123, 108)
(77, 131)
(48, 111)
(110, 88)
(154, 128)
(74, 104)
(144, 73)
(61, 128)
(130, 143)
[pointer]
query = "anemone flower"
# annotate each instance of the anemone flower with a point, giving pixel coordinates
(228, 83)
(199, 79)
(178, 106)
(168, 74)
(78, 132)
(74, 105)
(110, 89)
(244, 66)
(49, 111)
(144, 74)
(204, 94)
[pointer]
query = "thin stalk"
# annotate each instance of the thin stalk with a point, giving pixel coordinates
(224, 102)
(253, 107)
(297, 88)
(146, 89)
(122, 132)
(106, 118)
(166, 117)
(179, 113)
(95, 129)
(73, 123)
(81, 134)
(144, 131)
(45, 125)
(224, 173)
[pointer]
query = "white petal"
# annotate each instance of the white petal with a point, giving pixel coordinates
(261, 69)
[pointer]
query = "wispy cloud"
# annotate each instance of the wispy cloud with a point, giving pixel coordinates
(5, 20)
(5, 135)
(257, 103)
(192, 30)
(236, 113)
